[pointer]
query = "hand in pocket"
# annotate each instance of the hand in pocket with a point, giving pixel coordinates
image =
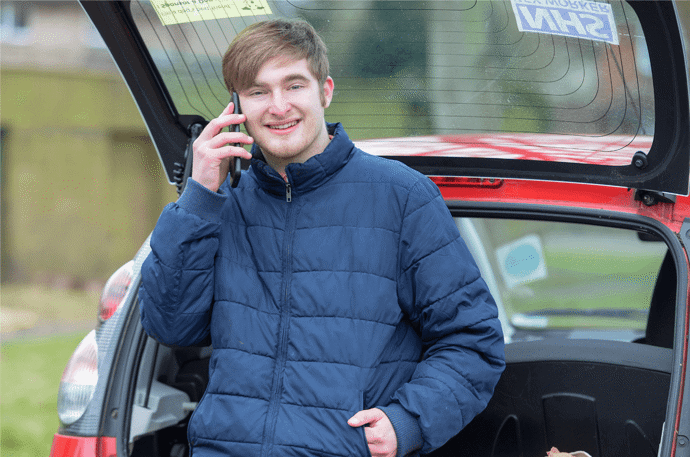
(378, 430)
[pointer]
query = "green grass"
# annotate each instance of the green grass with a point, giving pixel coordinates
(589, 269)
(30, 372)
(591, 281)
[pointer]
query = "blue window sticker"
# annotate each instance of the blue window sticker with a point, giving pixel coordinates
(571, 18)
(521, 261)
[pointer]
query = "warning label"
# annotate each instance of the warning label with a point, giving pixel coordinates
(181, 11)
(579, 19)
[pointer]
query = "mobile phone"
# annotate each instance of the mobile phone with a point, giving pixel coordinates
(236, 169)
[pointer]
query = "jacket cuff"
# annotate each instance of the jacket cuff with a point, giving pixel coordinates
(197, 199)
(407, 430)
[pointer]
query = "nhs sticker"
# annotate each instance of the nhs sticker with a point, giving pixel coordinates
(573, 18)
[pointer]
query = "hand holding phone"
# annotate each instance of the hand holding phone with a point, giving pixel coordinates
(214, 149)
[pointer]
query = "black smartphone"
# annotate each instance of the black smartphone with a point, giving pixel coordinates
(236, 169)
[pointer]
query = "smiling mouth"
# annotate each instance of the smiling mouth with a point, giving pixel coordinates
(283, 126)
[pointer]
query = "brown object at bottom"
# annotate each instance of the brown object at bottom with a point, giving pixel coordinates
(556, 453)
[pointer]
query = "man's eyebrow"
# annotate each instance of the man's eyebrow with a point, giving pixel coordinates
(286, 79)
(294, 77)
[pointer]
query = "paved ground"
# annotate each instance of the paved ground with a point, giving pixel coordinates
(20, 324)
(40, 309)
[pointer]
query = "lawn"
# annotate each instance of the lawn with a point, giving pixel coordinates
(594, 277)
(30, 372)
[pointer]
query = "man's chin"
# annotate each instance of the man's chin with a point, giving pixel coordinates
(279, 152)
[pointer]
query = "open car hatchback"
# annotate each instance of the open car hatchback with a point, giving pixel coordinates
(559, 134)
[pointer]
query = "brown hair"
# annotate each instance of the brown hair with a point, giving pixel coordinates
(262, 41)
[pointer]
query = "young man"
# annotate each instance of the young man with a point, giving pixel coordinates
(346, 314)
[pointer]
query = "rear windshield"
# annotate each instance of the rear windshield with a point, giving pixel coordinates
(555, 80)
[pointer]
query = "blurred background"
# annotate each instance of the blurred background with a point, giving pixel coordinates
(81, 181)
(81, 188)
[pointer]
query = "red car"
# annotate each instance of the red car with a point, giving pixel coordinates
(559, 134)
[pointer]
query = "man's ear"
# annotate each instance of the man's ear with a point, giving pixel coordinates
(327, 92)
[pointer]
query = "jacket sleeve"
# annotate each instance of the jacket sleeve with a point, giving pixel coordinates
(176, 292)
(441, 290)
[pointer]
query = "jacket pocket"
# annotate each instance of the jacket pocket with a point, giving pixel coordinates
(362, 435)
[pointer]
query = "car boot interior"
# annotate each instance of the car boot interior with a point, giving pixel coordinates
(576, 395)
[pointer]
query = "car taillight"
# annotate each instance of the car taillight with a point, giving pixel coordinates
(79, 379)
(458, 181)
(114, 291)
(83, 446)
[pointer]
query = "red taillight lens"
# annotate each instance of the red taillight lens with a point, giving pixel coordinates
(456, 181)
(114, 291)
(83, 446)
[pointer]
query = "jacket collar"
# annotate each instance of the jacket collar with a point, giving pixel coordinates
(311, 174)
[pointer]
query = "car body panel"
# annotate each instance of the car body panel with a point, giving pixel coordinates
(566, 195)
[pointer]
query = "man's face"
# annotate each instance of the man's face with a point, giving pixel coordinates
(285, 112)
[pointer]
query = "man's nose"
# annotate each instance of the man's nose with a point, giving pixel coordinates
(279, 104)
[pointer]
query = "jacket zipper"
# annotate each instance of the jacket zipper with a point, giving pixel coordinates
(283, 338)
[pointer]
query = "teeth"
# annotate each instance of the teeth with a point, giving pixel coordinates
(284, 126)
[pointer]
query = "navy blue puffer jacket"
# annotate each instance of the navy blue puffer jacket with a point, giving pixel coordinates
(346, 288)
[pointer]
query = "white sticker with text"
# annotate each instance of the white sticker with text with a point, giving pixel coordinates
(181, 11)
(571, 18)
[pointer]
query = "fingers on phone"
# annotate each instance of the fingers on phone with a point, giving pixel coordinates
(229, 151)
(228, 109)
(230, 138)
(215, 127)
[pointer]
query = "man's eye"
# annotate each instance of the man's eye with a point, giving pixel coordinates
(296, 86)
